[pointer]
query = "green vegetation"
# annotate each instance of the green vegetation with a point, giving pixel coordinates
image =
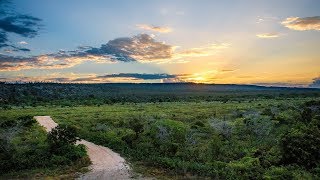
(231, 134)
(69, 95)
(25, 149)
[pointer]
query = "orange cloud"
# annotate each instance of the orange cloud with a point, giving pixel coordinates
(268, 35)
(154, 28)
(302, 24)
(47, 62)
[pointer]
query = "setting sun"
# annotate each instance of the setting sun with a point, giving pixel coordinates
(159, 89)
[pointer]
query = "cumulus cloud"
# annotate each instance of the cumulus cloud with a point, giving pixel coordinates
(139, 48)
(302, 24)
(315, 83)
(154, 28)
(268, 35)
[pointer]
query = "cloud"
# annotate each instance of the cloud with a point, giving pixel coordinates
(268, 35)
(3, 39)
(12, 22)
(302, 24)
(93, 78)
(154, 28)
(47, 61)
(201, 77)
(315, 83)
(24, 25)
(139, 76)
(22, 42)
(140, 48)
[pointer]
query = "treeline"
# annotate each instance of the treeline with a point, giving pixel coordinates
(33, 94)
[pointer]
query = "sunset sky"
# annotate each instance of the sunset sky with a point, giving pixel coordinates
(264, 42)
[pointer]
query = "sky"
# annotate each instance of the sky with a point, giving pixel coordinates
(263, 42)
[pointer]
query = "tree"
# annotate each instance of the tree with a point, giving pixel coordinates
(61, 137)
(301, 146)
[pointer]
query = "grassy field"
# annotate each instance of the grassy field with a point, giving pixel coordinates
(196, 139)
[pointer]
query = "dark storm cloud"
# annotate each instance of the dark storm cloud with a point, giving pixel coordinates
(139, 76)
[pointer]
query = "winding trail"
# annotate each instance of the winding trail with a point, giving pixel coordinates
(106, 164)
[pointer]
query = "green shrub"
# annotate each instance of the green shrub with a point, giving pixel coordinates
(8, 123)
(301, 146)
(168, 135)
(268, 156)
(32, 148)
(287, 117)
(290, 172)
(258, 125)
(246, 168)
(26, 121)
(61, 136)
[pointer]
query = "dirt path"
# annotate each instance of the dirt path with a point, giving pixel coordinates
(106, 164)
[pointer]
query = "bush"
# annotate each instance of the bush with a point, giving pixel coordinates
(168, 135)
(222, 127)
(258, 125)
(62, 135)
(290, 172)
(26, 121)
(32, 148)
(301, 146)
(246, 168)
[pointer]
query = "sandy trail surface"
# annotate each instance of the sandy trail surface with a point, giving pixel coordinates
(106, 164)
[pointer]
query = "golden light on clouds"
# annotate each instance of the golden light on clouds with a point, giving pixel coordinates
(268, 35)
(159, 29)
(302, 24)
(201, 77)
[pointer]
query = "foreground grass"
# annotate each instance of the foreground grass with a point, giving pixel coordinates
(188, 139)
(63, 172)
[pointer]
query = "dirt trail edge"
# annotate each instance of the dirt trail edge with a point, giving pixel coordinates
(106, 164)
